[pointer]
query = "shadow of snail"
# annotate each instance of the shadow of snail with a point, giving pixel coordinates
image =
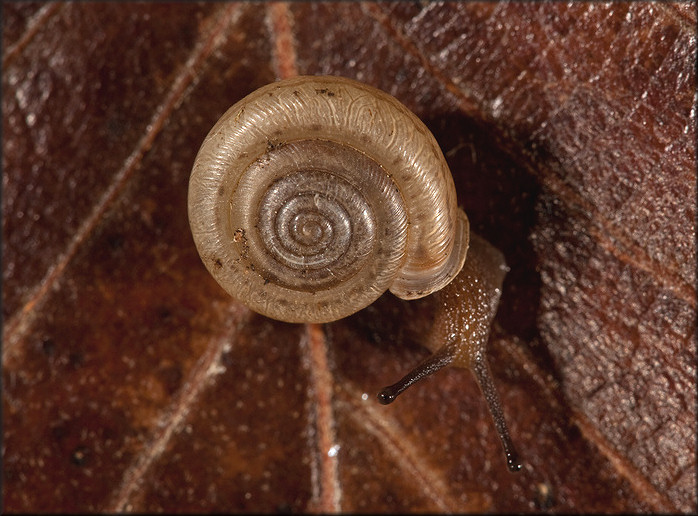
(312, 196)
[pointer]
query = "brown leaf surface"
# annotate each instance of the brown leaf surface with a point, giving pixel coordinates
(132, 382)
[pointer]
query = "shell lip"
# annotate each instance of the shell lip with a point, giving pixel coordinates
(423, 283)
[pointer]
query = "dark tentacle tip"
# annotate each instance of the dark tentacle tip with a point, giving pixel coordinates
(513, 462)
(386, 396)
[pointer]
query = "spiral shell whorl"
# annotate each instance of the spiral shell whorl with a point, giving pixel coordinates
(283, 177)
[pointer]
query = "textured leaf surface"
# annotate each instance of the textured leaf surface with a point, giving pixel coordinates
(132, 382)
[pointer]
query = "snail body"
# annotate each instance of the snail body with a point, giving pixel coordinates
(312, 196)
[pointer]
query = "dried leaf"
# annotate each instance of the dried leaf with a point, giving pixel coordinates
(132, 382)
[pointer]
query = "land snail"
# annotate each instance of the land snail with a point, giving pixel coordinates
(312, 196)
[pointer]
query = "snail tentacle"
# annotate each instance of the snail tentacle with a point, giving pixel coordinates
(426, 367)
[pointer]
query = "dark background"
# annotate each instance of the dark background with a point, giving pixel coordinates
(131, 381)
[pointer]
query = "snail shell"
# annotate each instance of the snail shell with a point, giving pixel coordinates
(312, 196)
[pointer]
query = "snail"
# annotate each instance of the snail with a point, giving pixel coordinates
(312, 196)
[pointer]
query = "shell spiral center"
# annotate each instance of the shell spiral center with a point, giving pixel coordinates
(323, 224)
(317, 227)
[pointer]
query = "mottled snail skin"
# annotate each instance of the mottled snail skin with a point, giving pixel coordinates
(459, 335)
(312, 196)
